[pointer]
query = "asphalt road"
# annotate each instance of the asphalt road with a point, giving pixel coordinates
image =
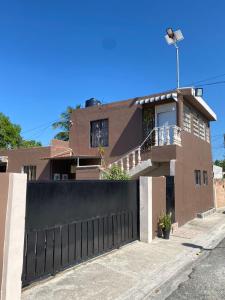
(206, 279)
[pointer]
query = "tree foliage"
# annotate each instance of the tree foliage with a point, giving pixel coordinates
(115, 173)
(220, 163)
(10, 135)
(30, 144)
(64, 123)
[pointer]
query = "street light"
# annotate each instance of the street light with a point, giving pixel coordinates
(172, 38)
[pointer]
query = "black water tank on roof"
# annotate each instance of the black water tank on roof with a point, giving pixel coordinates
(92, 102)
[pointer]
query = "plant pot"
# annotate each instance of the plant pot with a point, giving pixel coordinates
(159, 232)
(166, 234)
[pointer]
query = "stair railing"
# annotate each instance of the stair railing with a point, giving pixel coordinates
(133, 157)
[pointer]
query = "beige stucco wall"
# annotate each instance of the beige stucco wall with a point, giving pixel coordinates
(12, 223)
(4, 185)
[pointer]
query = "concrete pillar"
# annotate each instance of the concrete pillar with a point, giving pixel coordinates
(146, 209)
(13, 203)
(180, 109)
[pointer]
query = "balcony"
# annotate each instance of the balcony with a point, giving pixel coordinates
(167, 135)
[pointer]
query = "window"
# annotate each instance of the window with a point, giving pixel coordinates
(207, 133)
(187, 119)
(99, 133)
(30, 171)
(200, 127)
(205, 178)
(197, 177)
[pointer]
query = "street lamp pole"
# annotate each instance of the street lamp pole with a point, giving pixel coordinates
(172, 38)
(178, 65)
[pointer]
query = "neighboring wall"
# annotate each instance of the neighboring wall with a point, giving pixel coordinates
(87, 173)
(219, 192)
(125, 128)
(29, 156)
(158, 201)
(195, 154)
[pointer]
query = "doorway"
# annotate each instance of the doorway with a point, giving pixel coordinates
(166, 116)
(3, 167)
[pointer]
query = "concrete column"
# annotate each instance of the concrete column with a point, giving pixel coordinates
(14, 198)
(180, 109)
(146, 209)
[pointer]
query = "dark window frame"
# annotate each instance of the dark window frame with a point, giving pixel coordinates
(31, 171)
(100, 137)
(205, 177)
(198, 179)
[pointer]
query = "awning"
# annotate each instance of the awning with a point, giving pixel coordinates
(157, 98)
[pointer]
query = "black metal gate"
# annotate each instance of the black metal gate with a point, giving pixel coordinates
(170, 196)
(69, 222)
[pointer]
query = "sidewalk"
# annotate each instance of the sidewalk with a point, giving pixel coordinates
(136, 270)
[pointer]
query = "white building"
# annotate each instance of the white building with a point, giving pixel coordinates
(217, 172)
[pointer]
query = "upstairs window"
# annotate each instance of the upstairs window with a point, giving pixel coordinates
(205, 178)
(30, 171)
(197, 177)
(99, 133)
(187, 119)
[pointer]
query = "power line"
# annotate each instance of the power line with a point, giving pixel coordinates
(40, 126)
(206, 79)
(213, 83)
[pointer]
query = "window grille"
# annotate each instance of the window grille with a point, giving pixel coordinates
(187, 119)
(99, 133)
(197, 177)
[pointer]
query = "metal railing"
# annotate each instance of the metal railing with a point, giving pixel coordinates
(158, 136)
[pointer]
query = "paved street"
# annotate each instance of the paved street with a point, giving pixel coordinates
(207, 278)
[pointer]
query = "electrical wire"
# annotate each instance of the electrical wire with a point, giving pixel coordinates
(207, 79)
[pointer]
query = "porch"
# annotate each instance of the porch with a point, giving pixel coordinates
(67, 168)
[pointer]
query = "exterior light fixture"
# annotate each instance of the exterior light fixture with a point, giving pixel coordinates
(199, 92)
(170, 32)
(172, 38)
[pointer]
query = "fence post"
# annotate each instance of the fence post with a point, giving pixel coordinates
(12, 223)
(145, 209)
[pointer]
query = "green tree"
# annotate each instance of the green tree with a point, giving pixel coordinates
(10, 135)
(30, 144)
(64, 123)
(115, 173)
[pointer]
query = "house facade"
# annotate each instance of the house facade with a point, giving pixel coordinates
(166, 134)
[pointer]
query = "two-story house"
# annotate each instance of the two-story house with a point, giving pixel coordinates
(167, 134)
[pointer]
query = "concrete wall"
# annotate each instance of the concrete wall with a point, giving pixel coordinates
(12, 223)
(87, 173)
(125, 128)
(190, 199)
(152, 205)
(158, 201)
(4, 187)
(29, 156)
(219, 192)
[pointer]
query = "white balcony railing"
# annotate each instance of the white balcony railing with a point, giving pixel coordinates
(167, 135)
(159, 136)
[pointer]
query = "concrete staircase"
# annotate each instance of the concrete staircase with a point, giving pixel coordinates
(134, 163)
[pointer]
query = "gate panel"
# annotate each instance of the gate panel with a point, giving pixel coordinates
(69, 222)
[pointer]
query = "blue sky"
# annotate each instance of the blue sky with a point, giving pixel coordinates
(55, 53)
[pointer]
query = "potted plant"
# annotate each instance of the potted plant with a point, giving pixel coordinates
(166, 224)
